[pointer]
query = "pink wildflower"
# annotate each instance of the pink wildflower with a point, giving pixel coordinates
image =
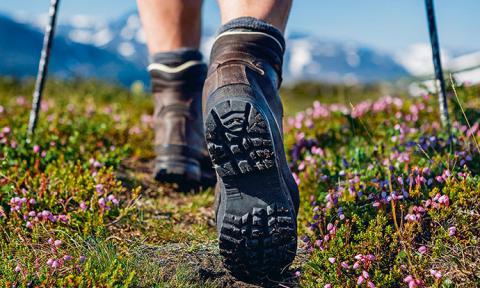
(99, 189)
(365, 274)
(356, 265)
(452, 230)
(83, 206)
(422, 250)
(360, 280)
(436, 274)
(18, 268)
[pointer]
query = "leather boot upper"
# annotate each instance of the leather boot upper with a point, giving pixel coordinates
(177, 114)
(255, 61)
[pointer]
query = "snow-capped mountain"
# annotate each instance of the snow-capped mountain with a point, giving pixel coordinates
(307, 57)
(21, 44)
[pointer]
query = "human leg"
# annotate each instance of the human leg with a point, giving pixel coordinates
(172, 30)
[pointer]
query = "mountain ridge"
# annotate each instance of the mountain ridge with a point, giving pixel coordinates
(116, 50)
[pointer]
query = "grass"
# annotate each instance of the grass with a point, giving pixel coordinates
(388, 200)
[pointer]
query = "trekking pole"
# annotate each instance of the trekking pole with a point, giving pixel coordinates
(442, 95)
(42, 69)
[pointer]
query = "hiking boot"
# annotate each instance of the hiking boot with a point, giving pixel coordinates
(177, 82)
(258, 198)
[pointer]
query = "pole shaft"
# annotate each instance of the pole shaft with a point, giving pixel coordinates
(442, 95)
(42, 68)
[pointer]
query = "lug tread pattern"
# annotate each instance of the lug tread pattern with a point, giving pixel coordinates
(263, 241)
(258, 244)
(238, 139)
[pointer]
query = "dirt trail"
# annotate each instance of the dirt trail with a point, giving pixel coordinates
(201, 260)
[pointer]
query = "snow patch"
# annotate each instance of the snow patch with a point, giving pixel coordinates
(300, 57)
(469, 77)
(417, 59)
(126, 49)
(80, 21)
(102, 37)
(80, 36)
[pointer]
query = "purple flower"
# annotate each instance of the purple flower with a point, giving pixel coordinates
(82, 259)
(36, 149)
(328, 285)
(102, 203)
(57, 243)
(444, 200)
(370, 284)
(83, 206)
(331, 260)
(55, 264)
(422, 250)
(67, 258)
(298, 274)
(62, 218)
(358, 256)
(99, 188)
(329, 226)
(18, 268)
(360, 280)
(412, 217)
(345, 265)
(436, 274)
(356, 265)
(365, 274)
(112, 199)
(452, 230)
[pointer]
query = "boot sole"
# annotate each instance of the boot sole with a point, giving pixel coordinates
(257, 232)
(179, 171)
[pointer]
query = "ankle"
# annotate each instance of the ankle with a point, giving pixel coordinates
(182, 69)
(251, 39)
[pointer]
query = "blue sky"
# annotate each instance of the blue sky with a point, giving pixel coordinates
(384, 24)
